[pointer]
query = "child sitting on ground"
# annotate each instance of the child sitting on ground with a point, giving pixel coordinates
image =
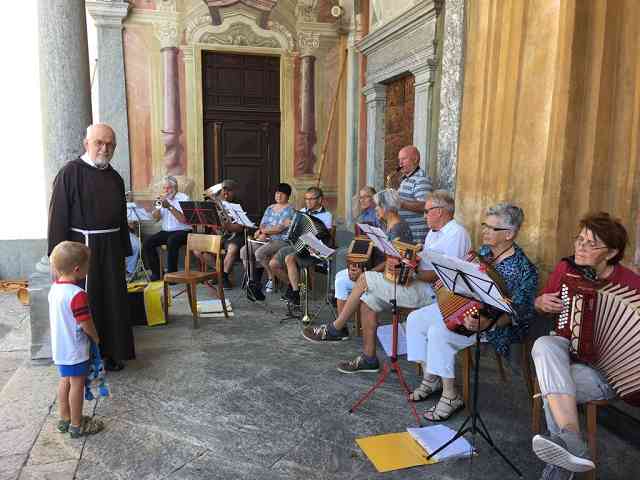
(71, 328)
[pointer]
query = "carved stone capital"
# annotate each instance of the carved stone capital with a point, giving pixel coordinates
(167, 6)
(376, 92)
(168, 34)
(108, 13)
(308, 42)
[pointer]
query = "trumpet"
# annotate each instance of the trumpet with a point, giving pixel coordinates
(158, 203)
(304, 292)
(393, 176)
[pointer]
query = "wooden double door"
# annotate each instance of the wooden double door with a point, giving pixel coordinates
(241, 110)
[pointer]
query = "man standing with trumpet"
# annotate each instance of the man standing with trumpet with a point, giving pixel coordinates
(174, 230)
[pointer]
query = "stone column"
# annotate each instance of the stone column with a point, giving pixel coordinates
(172, 128)
(308, 42)
(422, 113)
(450, 93)
(167, 33)
(353, 125)
(376, 95)
(108, 16)
(65, 92)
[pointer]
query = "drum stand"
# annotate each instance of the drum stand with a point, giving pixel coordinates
(395, 366)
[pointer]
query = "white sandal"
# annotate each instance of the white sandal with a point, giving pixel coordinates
(425, 390)
(443, 410)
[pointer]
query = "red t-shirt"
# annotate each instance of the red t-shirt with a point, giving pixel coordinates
(620, 276)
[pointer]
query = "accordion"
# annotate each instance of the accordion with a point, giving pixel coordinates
(303, 223)
(361, 252)
(455, 307)
(602, 324)
(402, 274)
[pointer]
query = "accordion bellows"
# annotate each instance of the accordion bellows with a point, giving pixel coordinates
(603, 327)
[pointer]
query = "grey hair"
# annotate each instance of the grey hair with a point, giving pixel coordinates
(510, 214)
(172, 180)
(388, 199)
(442, 198)
(91, 127)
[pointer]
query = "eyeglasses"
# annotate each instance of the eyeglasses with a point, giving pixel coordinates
(311, 198)
(362, 197)
(582, 242)
(495, 229)
(107, 146)
(427, 210)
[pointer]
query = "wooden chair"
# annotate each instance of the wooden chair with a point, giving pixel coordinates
(204, 243)
(591, 412)
(467, 363)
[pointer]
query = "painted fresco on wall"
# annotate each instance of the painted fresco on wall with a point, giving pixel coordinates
(383, 11)
(143, 4)
(184, 155)
(328, 76)
(138, 84)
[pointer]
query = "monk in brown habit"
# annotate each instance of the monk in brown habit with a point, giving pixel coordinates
(88, 205)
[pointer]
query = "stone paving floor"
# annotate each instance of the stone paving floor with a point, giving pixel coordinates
(243, 398)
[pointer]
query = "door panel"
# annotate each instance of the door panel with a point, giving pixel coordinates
(242, 125)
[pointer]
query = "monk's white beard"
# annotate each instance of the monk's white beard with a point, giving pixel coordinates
(101, 163)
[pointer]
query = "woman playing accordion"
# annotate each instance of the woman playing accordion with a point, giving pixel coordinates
(386, 204)
(432, 343)
(564, 380)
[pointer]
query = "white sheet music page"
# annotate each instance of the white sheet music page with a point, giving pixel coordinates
(312, 242)
(467, 279)
(238, 214)
(379, 239)
(135, 213)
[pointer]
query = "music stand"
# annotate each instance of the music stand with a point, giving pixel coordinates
(389, 249)
(323, 254)
(137, 214)
(200, 213)
(240, 217)
(468, 280)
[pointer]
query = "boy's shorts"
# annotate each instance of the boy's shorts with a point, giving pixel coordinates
(77, 370)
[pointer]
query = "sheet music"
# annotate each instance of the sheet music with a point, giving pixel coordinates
(432, 438)
(313, 243)
(453, 272)
(379, 239)
(385, 336)
(236, 212)
(135, 213)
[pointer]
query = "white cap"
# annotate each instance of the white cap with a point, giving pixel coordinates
(214, 190)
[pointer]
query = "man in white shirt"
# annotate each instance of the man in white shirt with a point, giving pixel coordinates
(372, 292)
(445, 236)
(286, 262)
(174, 230)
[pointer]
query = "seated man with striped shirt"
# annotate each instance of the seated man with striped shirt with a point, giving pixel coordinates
(414, 188)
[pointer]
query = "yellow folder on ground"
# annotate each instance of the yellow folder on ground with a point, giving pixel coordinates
(393, 451)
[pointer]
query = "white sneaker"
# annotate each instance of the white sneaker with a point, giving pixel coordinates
(268, 288)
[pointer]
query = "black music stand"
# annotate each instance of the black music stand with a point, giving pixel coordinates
(389, 250)
(201, 213)
(475, 286)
